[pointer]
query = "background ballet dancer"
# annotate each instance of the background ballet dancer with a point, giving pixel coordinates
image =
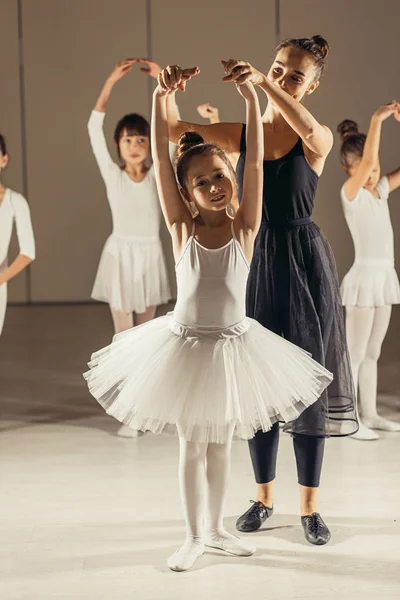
(371, 286)
(13, 209)
(208, 369)
(293, 286)
(132, 275)
(208, 112)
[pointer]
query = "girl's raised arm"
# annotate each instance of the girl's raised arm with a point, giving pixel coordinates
(177, 216)
(370, 155)
(248, 216)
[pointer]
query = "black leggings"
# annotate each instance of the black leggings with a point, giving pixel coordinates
(309, 453)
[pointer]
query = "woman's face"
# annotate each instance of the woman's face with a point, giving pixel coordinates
(294, 72)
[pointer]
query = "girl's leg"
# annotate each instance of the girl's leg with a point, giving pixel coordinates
(217, 474)
(359, 321)
(192, 460)
(123, 321)
(148, 315)
(3, 305)
(368, 373)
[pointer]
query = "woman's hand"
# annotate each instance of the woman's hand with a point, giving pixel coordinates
(175, 77)
(121, 69)
(240, 71)
(385, 111)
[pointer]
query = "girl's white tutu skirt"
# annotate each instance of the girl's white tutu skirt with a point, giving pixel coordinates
(163, 374)
(132, 274)
(371, 283)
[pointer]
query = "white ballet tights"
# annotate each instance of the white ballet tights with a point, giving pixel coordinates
(123, 321)
(200, 463)
(366, 328)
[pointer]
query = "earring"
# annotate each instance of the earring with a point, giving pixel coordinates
(230, 211)
(193, 210)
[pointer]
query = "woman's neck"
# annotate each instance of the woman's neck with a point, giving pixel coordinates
(274, 120)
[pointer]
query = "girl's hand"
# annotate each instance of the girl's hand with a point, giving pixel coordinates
(174, 77)
(207, 111)
(121, 69)
(151, 68)
(240, 72)
(385, 111)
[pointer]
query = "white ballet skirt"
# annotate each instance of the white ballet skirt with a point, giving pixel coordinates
(132, 273)
(372, 280)
(207, 365)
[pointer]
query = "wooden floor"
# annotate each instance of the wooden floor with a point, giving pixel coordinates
(88, 515)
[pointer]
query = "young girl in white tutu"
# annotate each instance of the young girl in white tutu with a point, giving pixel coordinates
(132, 275)
(206, 370)
(14, 209)
(371, 286)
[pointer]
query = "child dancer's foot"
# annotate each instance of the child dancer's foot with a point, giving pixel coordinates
(186, 556)
(127, 432)
(377, 422)
(364, 433)
(222, 540)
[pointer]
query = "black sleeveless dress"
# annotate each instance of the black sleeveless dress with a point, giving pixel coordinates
(293, 287)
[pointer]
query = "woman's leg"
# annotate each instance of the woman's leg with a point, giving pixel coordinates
(368, 373)
(359, 321)
(264, 452)
(217, 474)
(192, 461)
(147, 315)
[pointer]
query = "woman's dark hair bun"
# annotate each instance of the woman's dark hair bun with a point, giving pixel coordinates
(322, 43)
(187, 141)
(346, 128)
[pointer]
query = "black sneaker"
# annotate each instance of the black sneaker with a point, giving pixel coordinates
(253, 518)
(315, 530)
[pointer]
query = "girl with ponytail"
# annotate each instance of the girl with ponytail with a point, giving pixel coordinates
(206, 371)
(371, 286)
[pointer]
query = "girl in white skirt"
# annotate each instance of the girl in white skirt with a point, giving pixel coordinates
(132, 275)
(13, 209)
(371, 286)
(206, 370)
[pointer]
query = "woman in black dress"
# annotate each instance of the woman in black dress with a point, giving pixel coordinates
(293, 286)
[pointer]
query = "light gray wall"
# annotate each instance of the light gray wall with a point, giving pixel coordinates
(70, 46)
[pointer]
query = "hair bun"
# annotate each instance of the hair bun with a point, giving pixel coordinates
(187, 141)
(322, 43)
(346, 128)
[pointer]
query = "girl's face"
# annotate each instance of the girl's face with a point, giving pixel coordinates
(294, 72)
(3, 160)
(210, 183)
(373, 178)
(133, 149)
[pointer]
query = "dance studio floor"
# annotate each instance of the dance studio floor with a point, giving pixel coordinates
(87, 515)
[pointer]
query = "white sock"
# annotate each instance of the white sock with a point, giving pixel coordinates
(364, 433)
(186, 556)
(223, 540)
(377, 422)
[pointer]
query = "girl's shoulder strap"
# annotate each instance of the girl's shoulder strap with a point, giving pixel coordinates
(243, 139)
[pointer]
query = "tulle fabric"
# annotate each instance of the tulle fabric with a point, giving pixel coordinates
(371, 283)
(293, 290)
(163, 373)
(132, 274)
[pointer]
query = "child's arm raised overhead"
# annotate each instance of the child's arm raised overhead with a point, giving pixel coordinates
(370, 155)
(248, 216)
(394, 176)
(176, 214)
